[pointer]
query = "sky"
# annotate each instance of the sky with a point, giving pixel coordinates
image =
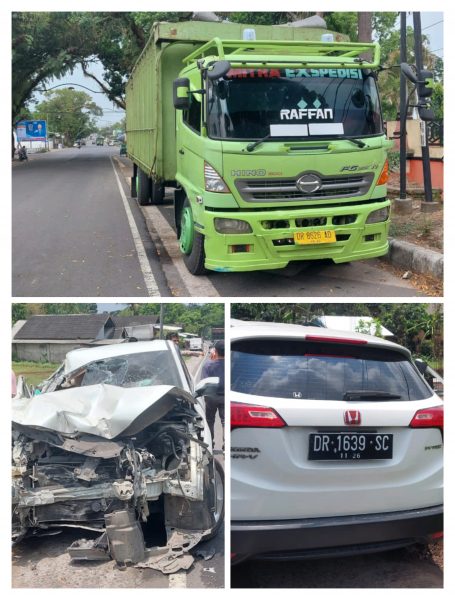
(111, 113)
(432, 27)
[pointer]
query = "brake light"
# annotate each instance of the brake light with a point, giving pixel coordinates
(249, 415)
(384, 176)
(437, 536)
(335, 340)
(428, 417)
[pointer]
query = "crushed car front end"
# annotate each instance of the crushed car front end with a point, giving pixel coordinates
(110, 459)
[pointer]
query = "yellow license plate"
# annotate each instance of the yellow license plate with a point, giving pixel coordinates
(315, 237)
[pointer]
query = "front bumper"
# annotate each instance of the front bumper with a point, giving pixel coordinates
(271, 244)
(334, 535)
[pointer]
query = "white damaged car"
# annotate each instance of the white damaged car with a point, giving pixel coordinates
(117, 437)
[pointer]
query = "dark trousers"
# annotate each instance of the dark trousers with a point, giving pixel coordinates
(211, 406)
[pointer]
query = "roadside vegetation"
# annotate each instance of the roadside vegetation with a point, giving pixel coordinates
(34, 372)
(418, 327)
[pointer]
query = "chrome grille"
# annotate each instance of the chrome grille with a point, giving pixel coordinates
(285, 190)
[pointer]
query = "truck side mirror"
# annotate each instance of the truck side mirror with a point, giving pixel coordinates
(219, 68)
(181, 93)
(426, 114)
(408, 72)
(426, 84)
(421, 365)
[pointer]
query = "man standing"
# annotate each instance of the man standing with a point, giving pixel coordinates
(215, 368)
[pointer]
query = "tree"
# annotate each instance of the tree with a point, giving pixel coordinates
(69, 113)
(43, 46)
(194, 318)
(18, 312)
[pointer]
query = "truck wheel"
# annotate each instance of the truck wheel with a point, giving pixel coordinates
(191, 242)
(143, 188)
(156, 192)
(218, 497)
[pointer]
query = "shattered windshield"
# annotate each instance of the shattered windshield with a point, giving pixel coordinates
(298, 103)
(128, 370)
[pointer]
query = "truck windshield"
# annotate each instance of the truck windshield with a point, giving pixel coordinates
(298, 103)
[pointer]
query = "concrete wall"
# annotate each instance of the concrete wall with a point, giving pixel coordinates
(45, 352)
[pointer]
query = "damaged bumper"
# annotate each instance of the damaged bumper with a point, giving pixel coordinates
(109, 461)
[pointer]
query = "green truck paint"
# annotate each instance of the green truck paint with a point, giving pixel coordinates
(276, 147)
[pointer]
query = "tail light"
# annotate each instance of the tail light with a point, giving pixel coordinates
(384, 176)
(428, 417)
(437, 536)
(250, 415)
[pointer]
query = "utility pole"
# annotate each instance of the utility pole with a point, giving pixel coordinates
(423, 125)
(365, 30)
(403, 103)
(161, 320)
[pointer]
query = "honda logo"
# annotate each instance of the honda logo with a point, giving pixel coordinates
(352, 417)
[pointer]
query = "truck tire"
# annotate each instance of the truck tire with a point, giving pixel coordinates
(191, 242)
(156, 192)
(143, 188)
(218, 515)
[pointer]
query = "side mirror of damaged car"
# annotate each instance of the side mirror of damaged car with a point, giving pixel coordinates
(208, 387)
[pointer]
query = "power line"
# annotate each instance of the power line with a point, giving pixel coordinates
(432, 25)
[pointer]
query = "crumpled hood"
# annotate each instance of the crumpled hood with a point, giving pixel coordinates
(103, 410)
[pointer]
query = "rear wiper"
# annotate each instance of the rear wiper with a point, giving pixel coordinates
(253, 145)
(355, 141)
(369, 395)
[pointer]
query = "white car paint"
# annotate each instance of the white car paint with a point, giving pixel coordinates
(272, 477)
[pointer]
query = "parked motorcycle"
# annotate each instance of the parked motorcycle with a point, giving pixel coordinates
(22, 153)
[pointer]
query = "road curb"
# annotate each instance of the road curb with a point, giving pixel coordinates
(415, 258)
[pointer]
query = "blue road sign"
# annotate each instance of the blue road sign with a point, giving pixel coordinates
(31, 131)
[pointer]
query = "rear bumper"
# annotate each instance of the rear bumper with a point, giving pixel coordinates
(309, 538)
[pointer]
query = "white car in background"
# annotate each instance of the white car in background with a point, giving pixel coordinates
(336, 444)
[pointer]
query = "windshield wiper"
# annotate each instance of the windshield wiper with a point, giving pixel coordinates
(355, 141)
(369, 395)
(253, 145)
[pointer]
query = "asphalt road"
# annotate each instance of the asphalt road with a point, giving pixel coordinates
(71, 233)
(413, 567)
(73, 236)
(44, 562)
(366, 278)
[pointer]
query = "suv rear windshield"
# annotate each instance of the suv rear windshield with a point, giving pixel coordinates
(308, 370)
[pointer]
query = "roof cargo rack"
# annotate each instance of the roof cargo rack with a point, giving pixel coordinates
(304, 53)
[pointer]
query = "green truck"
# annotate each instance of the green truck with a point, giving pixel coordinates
(272, 137)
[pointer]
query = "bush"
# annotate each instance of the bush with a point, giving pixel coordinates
(394, 161)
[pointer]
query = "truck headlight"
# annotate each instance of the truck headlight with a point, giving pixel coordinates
(377, 216)
(232, 226)
(213, 180)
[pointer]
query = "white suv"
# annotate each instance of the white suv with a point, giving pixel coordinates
(337, 444)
